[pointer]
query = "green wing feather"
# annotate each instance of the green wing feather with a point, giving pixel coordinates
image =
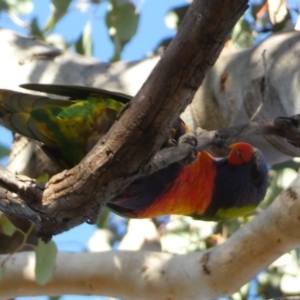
(69, 127)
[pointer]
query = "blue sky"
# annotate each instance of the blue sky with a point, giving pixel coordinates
(152, 29)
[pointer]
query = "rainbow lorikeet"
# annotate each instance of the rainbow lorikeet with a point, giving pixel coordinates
(210, 188)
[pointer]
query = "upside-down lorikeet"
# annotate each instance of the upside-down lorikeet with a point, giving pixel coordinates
(211, 188)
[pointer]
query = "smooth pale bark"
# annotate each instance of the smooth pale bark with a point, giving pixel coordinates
(238, 83)
(228, 95)
(214, 273)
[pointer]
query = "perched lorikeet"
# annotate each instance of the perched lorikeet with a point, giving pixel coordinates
(210, 189)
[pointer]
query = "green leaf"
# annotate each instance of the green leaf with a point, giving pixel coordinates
(45, 260)
(242, 36)
(35, 30)
(60, 8)
(17, 7)
(102, 219)
(4, 151)
(84, 45)
(2, 272)
(4, 5)
(122, 23)
(7, 226)
(54, 297)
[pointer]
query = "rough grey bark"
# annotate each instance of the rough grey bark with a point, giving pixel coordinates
(214, 273)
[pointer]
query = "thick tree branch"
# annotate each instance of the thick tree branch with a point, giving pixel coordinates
(210, 274)
(10, 203)
(77, 195)
(285, 127)
(230, 93)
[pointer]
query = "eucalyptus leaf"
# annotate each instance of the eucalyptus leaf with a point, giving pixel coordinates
(84, 44)
(122, 23)
(4, 151)
(103, 218)
(4, 5)
(35, 29)
(45, 261)
(7, 226)
(242, 36)
(60, 9)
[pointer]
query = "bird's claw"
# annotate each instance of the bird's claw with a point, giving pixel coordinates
(190, 139)
(171, 143)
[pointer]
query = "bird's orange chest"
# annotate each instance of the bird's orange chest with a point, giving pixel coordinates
(190, 193)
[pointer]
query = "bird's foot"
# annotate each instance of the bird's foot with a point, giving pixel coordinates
(171, 143)
(189, 138)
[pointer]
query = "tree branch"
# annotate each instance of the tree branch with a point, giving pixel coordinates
(229, 95)
(285, 127)
(209, 274)
(28, 192)
(77, 195)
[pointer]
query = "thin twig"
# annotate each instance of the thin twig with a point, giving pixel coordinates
(287, 128)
